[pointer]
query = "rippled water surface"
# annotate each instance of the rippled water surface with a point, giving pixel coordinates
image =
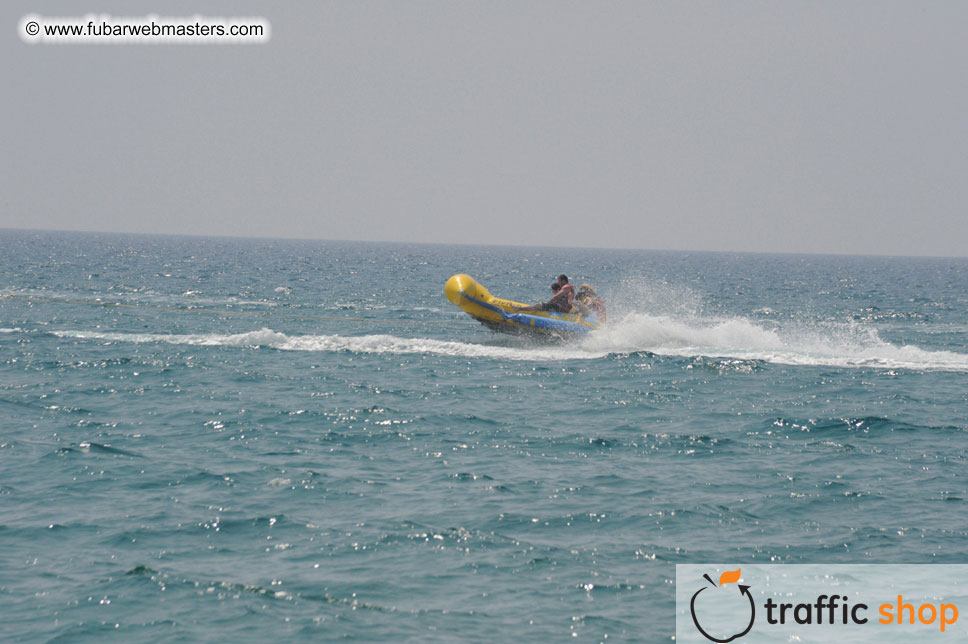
(242, 440)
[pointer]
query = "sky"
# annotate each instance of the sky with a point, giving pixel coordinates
(811, 127)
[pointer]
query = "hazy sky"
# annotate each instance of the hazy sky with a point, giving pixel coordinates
(814, 126)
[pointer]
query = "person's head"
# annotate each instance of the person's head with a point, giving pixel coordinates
(562, 279)
(585, 289)
(555, 287)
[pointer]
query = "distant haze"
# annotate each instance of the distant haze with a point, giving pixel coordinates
(743, 126)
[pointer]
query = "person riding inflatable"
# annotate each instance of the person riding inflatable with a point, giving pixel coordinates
(587, 297)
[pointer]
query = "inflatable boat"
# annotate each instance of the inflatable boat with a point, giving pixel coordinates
(499, 314)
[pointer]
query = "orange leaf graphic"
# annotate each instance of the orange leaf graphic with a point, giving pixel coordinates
(729, 577)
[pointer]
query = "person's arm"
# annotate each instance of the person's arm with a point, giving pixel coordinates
(559, 297)
(564, 298)
(571, 295)
(544, 306)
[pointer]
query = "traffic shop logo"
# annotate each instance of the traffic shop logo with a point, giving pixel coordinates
(726, 611)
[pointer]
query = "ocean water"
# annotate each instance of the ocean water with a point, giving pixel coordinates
(264, 440)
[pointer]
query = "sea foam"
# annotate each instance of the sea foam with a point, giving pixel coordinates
(843, 345)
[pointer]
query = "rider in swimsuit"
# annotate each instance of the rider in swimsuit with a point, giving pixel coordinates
(566, 296)
(590, 303)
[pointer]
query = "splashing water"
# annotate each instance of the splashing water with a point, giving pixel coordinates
(844, 345)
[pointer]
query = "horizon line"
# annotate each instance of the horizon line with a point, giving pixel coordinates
(487, 245)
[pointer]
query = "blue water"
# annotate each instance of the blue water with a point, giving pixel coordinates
(264, 440)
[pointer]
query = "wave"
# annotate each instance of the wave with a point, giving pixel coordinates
(376, 343)
(192, 299)
(833, 345)
(148, 299)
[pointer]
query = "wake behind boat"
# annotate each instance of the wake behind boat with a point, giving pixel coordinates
(501, 315)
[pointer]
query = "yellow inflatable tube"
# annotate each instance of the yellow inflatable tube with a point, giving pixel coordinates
(499, 314)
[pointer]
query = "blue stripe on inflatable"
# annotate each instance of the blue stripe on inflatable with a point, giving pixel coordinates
(484, 304)
(548, 323)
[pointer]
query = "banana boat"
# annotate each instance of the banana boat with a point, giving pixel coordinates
(499, 314)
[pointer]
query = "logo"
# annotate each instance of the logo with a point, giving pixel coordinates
(736, 605)
(857, 603)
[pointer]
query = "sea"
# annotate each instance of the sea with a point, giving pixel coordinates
(252, 440)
